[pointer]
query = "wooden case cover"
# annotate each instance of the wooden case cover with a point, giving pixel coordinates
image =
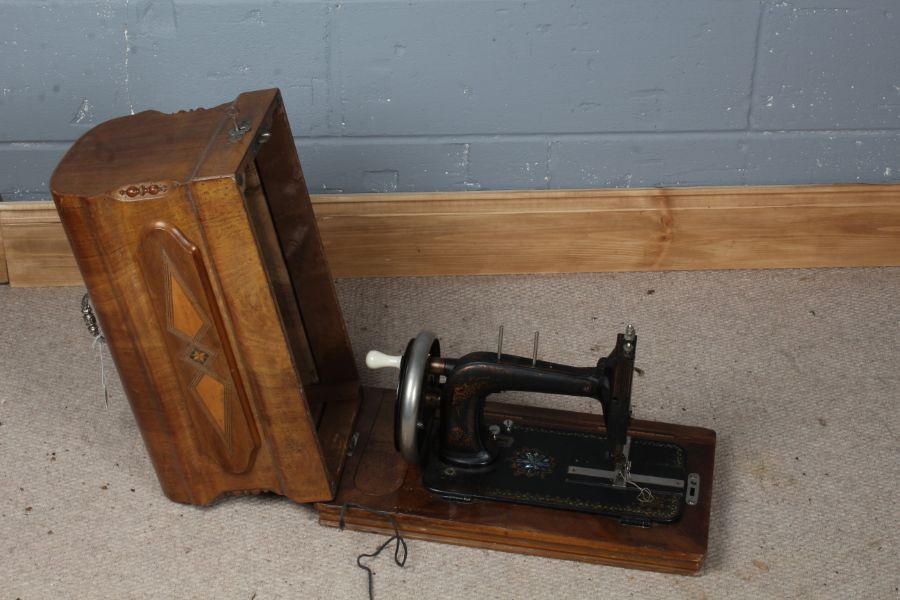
(198, 245)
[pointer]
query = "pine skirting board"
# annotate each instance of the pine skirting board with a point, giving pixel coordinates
(549, 231)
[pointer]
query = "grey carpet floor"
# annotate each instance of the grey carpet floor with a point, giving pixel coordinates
(797, 371)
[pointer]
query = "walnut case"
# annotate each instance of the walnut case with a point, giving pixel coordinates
(198, 245)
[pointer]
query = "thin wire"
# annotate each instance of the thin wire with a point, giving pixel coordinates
(399, 558)
(645, 494)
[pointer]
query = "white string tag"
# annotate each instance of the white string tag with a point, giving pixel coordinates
(97, 344)
(90, 321)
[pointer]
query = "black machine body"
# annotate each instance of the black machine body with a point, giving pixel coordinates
(440, 425)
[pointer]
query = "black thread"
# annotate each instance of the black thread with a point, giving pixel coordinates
(401, 543)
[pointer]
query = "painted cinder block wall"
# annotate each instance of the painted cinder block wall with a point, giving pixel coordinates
(468, 94)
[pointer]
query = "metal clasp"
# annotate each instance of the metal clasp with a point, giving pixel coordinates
(692, 495)
(238, 128)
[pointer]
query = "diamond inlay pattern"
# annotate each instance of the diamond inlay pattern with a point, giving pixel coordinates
(212, 393)
(185, 317)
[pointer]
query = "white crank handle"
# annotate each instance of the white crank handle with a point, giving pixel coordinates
(380, 360)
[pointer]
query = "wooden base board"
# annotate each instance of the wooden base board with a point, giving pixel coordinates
(553, 231)
(377, 477)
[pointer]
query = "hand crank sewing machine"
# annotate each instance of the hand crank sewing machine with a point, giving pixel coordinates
(198, 244)
(439, 423)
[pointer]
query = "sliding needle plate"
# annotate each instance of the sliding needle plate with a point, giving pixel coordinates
(571, 470)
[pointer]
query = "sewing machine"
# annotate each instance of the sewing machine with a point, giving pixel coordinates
(440, 425)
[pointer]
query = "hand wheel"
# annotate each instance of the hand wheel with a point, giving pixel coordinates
(409, 418)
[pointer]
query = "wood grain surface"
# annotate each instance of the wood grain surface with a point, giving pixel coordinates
(228, 386)
(561, 231)
(611, 230)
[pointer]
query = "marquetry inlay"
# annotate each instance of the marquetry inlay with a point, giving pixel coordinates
(199, 356)
(214, 396)
(139, 191)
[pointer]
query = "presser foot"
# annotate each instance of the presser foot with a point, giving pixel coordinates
(621, 474)
(622, 471)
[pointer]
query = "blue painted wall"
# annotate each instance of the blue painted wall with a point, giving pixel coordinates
(471, 94)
